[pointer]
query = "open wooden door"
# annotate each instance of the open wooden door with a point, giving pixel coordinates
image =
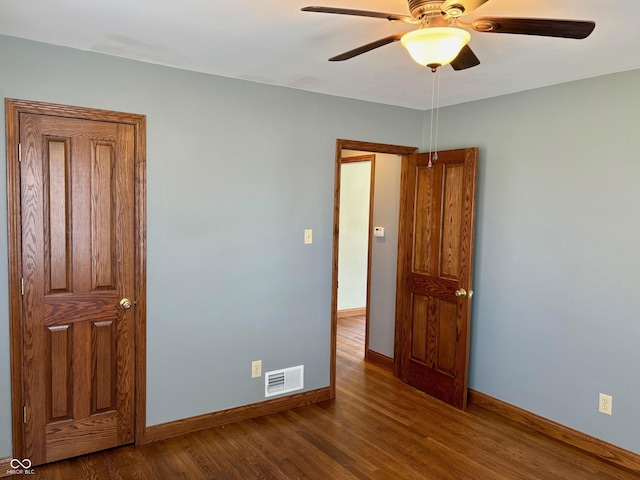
(435, 260)
(77, 254)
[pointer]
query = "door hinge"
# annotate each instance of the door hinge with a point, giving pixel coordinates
(24, 414)
(22, 285)
(19, 152)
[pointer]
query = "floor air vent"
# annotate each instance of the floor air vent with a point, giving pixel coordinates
(282, 381)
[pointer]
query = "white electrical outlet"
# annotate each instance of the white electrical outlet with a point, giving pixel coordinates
(256, 368)
(605, 404)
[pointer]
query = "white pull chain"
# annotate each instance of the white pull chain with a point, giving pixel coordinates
(435, 105)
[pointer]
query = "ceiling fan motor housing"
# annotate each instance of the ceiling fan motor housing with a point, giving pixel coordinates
(422, 8)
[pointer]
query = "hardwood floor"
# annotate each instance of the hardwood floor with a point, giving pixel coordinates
(377, 428)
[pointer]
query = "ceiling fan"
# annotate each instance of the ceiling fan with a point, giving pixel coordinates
(438, 42)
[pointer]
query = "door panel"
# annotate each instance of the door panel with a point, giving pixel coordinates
(434, 262)
(57, 215)
(451, 222)
(78, 245)
(59, 373)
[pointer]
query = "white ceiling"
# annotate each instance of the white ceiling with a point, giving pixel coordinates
(274, 42)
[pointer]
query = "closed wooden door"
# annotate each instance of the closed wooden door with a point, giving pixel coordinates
(435, 259)
(78, 252)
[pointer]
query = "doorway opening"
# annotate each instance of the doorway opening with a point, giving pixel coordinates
(377, 154)
(357, 180)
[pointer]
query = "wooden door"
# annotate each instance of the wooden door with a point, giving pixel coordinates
(78, 252)
(435, 260)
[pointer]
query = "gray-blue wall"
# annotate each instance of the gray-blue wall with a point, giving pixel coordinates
(556, 311)
(237, 171)
(384, 254)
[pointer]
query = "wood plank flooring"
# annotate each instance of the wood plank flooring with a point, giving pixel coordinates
(377, 428)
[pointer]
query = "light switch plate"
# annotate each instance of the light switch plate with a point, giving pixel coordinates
(308, 236)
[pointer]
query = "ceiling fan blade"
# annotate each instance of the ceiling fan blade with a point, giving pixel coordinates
(366, 48)
(535, 26)
(468, 6)
(362, 13)
(465, 59)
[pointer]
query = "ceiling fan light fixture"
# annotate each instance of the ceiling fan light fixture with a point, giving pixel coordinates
(435, 46)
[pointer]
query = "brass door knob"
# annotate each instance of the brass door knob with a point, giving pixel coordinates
(461, 293)
(125, 303)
